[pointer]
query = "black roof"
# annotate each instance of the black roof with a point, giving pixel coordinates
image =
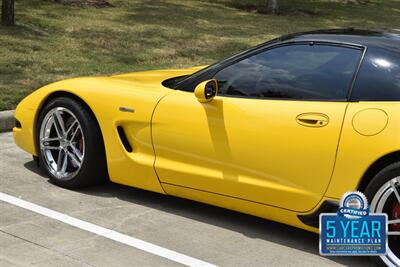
(389, 39)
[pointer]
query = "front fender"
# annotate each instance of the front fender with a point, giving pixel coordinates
(105, 96)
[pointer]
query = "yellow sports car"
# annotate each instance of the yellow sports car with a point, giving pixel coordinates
(280, 131)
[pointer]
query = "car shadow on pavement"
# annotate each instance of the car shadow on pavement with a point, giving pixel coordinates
(250, 226)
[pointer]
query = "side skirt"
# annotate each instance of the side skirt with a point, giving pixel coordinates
(328, 206)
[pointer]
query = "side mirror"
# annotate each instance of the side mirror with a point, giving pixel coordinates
(206, 91)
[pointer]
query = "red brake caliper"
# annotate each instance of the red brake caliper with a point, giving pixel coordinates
(396, 215)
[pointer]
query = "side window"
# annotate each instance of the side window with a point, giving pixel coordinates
(379, 77)
(303, 72)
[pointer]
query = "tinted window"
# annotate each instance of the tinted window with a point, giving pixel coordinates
(379, 77)
(293, 72)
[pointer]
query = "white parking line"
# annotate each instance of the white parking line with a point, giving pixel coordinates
(107, 233)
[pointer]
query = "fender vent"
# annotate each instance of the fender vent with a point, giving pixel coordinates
(124, 139)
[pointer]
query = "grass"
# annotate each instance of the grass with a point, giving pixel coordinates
(52, 42)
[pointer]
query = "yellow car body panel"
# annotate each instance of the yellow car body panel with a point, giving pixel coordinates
(250, 149)
(259, 158)
(358, 150)
(104, 96)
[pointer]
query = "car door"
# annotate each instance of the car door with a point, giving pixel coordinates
(271, 134)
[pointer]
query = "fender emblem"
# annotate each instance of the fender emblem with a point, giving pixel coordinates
(126, 109)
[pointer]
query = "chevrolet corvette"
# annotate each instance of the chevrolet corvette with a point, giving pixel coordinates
(280, 131)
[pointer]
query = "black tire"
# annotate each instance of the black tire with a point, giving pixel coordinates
(386, 174)
(382, 177)
(93, 168)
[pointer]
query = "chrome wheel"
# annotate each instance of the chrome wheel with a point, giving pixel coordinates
(387, 200)
(62, 143)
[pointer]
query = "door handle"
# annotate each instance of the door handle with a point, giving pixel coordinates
(312, 119)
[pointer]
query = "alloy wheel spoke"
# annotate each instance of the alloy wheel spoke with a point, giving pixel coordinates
(74, 160)
(60, 160)
(396, 192)
(59, 123)
(45, 143)
(75, 133)
(50, 139)
(50, 147)
(71, 127)
(64, 164)
(56, 126)
(77, 153)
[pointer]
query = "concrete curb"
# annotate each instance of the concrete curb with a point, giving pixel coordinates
(6, 120)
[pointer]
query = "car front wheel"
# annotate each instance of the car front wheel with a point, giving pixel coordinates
(70, 145)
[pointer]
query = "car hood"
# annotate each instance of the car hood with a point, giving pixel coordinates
(136, 82)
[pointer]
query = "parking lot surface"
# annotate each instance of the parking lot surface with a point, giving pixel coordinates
(210, 234)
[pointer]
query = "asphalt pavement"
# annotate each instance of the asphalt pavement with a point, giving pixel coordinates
(210, 234)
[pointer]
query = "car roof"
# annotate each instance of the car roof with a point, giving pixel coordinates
(386, 39)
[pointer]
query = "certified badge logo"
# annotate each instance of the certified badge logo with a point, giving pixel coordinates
(353, 205)
(353, 230)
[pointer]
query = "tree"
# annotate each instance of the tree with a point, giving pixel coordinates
(7, 13)
(272, 6)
